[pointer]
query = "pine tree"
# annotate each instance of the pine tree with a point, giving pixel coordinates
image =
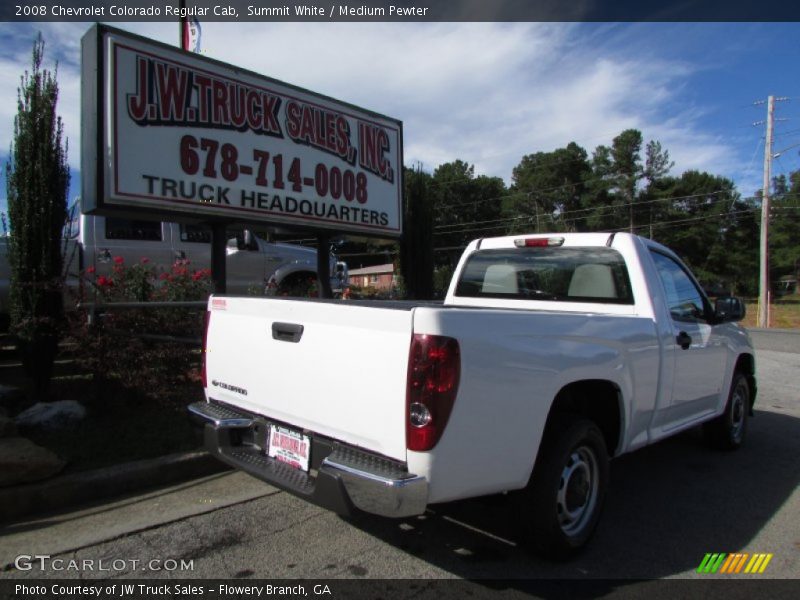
(37, 180)
(416, 246)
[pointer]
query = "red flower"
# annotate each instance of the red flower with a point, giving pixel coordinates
(104, 281)
(90, 270)
(144, 260)
(118, 260)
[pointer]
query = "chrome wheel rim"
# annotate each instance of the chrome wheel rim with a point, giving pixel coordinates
(738, 412)
(577, 490)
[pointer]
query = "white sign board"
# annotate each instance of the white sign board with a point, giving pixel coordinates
(170, 133)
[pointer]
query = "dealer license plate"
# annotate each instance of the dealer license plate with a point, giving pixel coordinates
(291, 447)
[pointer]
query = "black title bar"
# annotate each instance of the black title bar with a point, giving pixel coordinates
(233, 11)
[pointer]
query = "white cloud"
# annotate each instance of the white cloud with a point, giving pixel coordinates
(487, 93)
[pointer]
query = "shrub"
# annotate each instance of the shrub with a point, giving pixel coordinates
(115, 348)
(37, 180)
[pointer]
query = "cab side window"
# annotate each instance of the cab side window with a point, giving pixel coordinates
(684, 299)
(198, 234)
(133, 229)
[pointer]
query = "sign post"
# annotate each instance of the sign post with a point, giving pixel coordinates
(219, 274)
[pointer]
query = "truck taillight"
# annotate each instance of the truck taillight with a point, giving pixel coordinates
(434, 370)
(206, 322)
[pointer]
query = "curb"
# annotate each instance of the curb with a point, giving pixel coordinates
(69, 490)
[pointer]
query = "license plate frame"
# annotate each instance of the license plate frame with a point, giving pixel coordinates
(289, 446)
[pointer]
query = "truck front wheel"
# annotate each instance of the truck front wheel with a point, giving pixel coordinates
(727, 431)
(300, 285)
(560, 507)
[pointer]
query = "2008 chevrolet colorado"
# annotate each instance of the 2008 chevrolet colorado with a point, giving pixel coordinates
(550, 354)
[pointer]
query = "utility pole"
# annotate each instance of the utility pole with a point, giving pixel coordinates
(763, 280)
(764, 283)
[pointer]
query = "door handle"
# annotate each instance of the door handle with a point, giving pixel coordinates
(684, 340)
(287, 332)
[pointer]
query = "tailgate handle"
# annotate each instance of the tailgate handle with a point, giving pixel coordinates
(287, 332)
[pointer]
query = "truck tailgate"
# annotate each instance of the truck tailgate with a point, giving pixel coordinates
(344, 376)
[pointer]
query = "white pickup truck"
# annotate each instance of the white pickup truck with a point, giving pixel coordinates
(550, 354)
(251, 262)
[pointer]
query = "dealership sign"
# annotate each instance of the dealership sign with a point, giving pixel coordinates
(174, 134)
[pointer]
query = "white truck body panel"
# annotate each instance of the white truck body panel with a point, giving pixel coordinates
(513, 365)
(293, 382)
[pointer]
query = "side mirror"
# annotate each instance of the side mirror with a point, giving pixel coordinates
(729, 308)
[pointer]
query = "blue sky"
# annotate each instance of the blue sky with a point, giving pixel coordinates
(488, 93)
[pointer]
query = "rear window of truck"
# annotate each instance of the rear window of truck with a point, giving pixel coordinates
(582, 274)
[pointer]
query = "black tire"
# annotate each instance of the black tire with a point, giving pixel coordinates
(300, 285)
(727, 432)
(561, 506)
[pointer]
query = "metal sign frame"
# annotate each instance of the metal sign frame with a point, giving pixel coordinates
(178, 136)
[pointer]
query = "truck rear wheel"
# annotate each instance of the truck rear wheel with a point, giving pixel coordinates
(561, 505)
(727, 431)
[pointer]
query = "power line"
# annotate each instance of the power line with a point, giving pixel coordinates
(595, 209)
(503, 223)
(501, 220)
(521, 193)
(643, 226)
(783, 133)
(736, 215)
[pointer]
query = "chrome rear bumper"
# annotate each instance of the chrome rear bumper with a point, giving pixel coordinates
(341, 477)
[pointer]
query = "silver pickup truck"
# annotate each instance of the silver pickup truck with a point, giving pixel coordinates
(252, 263)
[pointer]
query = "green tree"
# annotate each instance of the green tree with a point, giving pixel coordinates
(547, 189)
(784, 232)
(37, 180)
(619, 192)
(466, 206)
(627, 170)
(657, 165)
(601, 214)
(416, 245)
(703, 218)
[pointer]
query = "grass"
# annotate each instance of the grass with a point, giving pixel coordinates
(784, 313)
